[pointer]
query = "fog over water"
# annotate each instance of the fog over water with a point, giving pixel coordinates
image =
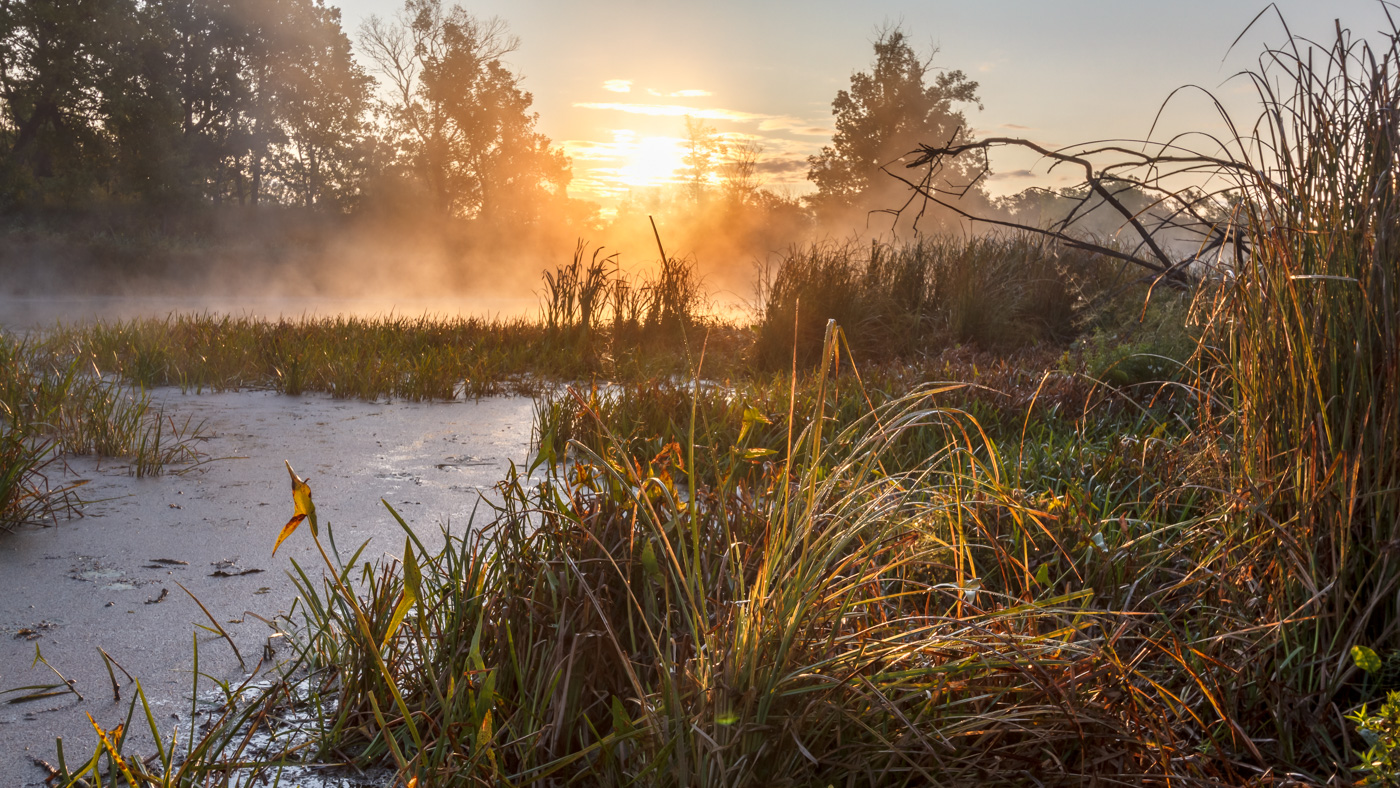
(28, 313)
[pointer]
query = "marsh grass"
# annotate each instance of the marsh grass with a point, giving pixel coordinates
(917, 297)
(849, 612)
(644, 314)
(54, 403)
(1309, 345)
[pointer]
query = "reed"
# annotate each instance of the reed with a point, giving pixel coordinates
(917, 297)
(1310, 347)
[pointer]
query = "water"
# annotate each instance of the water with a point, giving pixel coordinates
(112, 579)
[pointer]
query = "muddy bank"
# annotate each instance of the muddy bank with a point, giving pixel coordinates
(111, 579)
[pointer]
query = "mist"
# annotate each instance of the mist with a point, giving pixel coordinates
(270, 154)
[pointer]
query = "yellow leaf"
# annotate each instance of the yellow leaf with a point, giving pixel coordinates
(108, 740)
(302, 508)
(287, 530)
(412, 578)
(301, 497)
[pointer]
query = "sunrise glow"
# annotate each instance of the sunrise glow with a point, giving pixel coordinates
(648, 161)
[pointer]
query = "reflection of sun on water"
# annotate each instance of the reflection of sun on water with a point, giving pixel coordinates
(647, 161)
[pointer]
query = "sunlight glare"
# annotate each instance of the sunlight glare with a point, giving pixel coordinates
(648, 161)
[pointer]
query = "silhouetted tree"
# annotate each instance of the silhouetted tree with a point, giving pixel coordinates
(702, 148)
(886, 113)
(740, 171)
(458, 116)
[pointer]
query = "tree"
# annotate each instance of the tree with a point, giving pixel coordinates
(320, 112)
(54, 58)
(702, 147)
(886, 113)
(740, 171)
(458, 116)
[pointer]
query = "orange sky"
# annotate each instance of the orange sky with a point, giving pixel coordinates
(614, 79)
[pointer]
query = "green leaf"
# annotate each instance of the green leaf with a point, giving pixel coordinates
(1365, 659)
(621, 722)
(649, 563)
(752, 416)
(758, 454)
(411, 580)
(1042, 575)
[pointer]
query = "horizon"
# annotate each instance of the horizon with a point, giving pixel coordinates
(612, 89)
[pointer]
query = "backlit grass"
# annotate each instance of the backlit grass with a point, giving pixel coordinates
(971, 569)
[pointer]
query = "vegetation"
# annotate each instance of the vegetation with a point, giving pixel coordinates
(967, 562)
(884, 116)
(52, 404)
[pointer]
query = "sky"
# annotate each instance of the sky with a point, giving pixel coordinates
(613, 79)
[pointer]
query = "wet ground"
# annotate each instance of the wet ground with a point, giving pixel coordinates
(112, 578)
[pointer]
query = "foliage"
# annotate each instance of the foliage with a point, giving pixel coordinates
(883, 116)
(1155, 344)
(163, 102)
(459, 117)
(1380, 763)
(920, 296)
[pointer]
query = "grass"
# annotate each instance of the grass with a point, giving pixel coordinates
(898, 301)
(1308, 342)
(1017, 575)
(54, 403)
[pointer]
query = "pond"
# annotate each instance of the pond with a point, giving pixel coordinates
(112, 579)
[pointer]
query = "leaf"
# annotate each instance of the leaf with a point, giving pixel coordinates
(621, 722)
(727, 718)
(1042, 575)
(752, 416)
(301, 497)
(302, 508)
(287, 531)
(1366, 659)
(653, 569)
(109, 740)
(412, 579)
(758, 454)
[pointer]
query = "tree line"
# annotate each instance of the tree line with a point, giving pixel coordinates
(173, 106)
(167, 104)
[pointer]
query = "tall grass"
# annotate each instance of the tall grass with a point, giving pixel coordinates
(1310, 340)
(646, 312)
(901, 300)
(53, 402)
(829, 620)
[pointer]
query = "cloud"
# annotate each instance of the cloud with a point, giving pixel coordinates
(675, 110)
(691, 93)
(786, 166)
(1014, 126)
(618, 85)
(793, 125)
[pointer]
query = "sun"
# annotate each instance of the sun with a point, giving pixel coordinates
(647, 161)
